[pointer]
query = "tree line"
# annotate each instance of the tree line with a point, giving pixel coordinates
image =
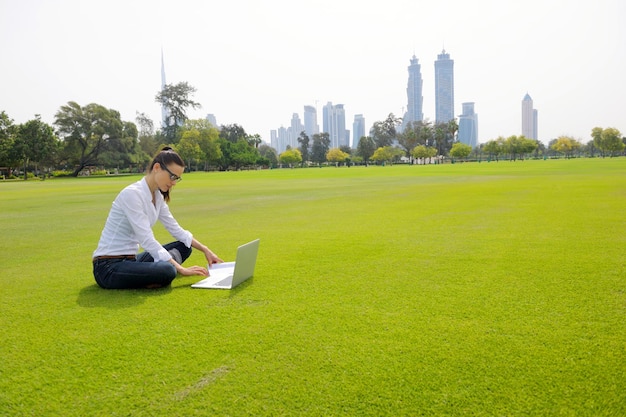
(93, 138)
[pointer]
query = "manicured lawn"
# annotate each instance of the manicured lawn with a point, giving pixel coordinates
(495, 289)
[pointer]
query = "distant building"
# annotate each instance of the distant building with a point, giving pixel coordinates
(414, 111)
(468, 126)
(358, 129)
(310, 121)
(444, 88)
(211, 119)
(529, 119)
(296, 128)
(334, 123)
(165, 112)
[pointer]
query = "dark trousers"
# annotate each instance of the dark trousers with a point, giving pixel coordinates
(140, 272)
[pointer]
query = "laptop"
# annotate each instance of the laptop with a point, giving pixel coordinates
(227, 275)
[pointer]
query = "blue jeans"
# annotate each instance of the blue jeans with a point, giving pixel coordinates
(140, 272)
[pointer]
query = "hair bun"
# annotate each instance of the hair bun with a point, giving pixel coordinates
(166, 148)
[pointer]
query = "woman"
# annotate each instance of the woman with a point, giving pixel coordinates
(116, 262)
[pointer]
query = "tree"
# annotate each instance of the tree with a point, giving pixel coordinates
(460, 150)
(336, 155)
(304, 141)
(290, 157)
(319, 148)
(147, 140)
(607, 140)
(566, 145)
(386, 154)
(254, 140)
(269, 154)
(425, 152)
(189, 147)
(34, 141)
(87, 131)
(517, 146)
(366, 147)
(176, 98)
(207, 138)
(242, 154)
(7, 139)
(410, 137)
(233, 133)
(494, 147)
(384, 132)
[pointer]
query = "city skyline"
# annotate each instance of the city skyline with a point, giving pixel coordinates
(281, 57)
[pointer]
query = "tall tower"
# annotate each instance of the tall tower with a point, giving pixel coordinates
(444, 88)
(468, 126)
(296, 128)
(529, 119)
(165, 112)
(334, 119)
(358, 129)
(414, 94)
(310, 121)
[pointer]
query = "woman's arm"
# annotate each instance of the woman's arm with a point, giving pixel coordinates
(211, 257)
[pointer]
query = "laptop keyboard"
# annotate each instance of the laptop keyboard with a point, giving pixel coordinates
(224, 282)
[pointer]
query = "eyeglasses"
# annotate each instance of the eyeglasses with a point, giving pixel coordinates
(173, 176)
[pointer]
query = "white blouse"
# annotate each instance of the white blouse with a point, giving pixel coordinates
(129, 224)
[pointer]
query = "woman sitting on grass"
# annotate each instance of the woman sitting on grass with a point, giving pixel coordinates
(116, 262)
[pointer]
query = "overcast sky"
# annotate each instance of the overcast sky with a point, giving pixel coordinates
(255, 63)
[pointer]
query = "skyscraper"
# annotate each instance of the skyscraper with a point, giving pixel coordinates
(468, 125)
(310, 121)
(358, 129)
(334, 123)
(296, 128)
(211, 119)
(165, 112)
(444, 88)
(529, 119)
(414, 111)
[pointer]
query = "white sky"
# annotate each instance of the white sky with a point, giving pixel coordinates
(255, 63)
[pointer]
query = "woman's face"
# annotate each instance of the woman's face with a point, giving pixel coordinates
(167, 175)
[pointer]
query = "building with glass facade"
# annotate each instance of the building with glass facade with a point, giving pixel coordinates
(358, 129)
(468, 125)
(529, 119)
(415, 98)
(444, 88)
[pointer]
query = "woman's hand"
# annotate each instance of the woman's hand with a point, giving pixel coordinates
(193, 270)
(212, 258)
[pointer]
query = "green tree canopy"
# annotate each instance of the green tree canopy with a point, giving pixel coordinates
(387, 154)
(608, 141)
(304, 142)
(319, 148)
(7, 138)
(566, 145)
(366, 148)
(35, 141)
(421, 151)
(336, 155)
(290, 157)
(87, 131)
(384, 132)
(176, 98)
(460, 150)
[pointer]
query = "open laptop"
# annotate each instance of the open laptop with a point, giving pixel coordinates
(228, 275)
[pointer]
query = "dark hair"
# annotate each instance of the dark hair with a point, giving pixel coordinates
(165, 157)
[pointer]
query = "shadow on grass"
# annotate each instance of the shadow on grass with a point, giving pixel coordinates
(93, 296)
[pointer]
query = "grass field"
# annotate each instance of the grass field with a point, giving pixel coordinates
(483, 289)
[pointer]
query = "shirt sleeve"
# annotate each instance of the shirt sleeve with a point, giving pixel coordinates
(136, 211)
(172, 226)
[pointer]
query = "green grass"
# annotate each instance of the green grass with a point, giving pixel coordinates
(495, 289)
